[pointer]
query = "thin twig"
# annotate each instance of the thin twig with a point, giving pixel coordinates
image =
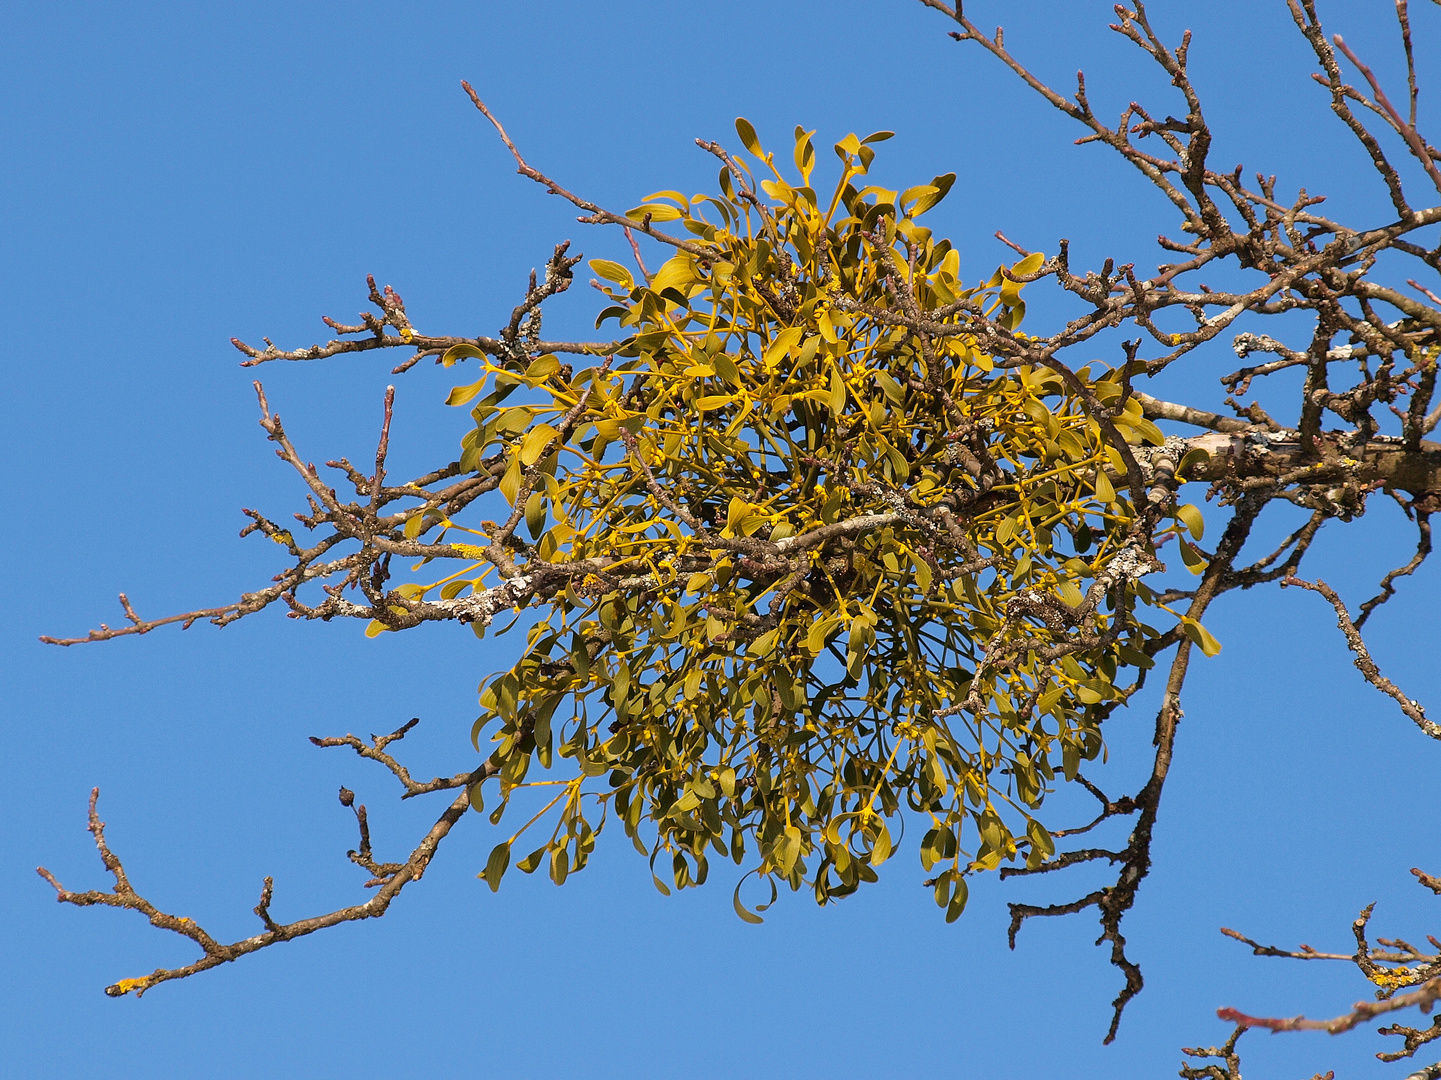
(1427, 994)
(1413, 139)
(1363, 661)
(598, 215)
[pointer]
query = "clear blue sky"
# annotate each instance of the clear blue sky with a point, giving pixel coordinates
(179, 173)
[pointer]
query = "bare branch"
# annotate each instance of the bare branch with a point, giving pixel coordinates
(598, 215)
(1423, 549)
(1304, 953)
(1230, 1069)
(1414, 142)
(1432, 883)
(1424, 996)
(123, 895)
(1155, 409)
(1115, 901)
(1363, 661)
(375, 751)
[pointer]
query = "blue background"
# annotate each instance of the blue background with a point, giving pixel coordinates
(178, 173)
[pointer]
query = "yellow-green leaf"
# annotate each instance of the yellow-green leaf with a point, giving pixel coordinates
(939, 186)
(1194, 560)
(460, 352)
(1148, 432)
(1190, 516)
(543, 367)
(1201, 636)
(675, 273)
(736, 511)
(510, 482)
(657, 212)
(923, 574)
(1041, 838)
(496, 865)
(741, 910)
(958, 900)
(459, 395)
(726, 368)
(1189, 460)
(537, 439)
(881, 849)
(1029, 265)
(764, 645)
(513, 420)
(827, 326)
(819, 631)
(891, 388)
(782, 344)
(913, 194)
(838, 393)
(805, 153)
(612, 271)
(748, 136)
(788, 849)
(535, 512)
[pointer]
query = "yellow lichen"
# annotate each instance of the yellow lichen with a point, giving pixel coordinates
(1393, 978)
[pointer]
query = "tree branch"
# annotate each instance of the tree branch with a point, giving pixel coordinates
(215, 953)
(1426, 995)
(1364, 663)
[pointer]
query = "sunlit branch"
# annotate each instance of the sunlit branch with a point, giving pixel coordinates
(1363, 661)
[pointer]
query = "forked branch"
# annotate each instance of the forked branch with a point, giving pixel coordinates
(393, 877)
(1363, 661)
(1396, 966)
